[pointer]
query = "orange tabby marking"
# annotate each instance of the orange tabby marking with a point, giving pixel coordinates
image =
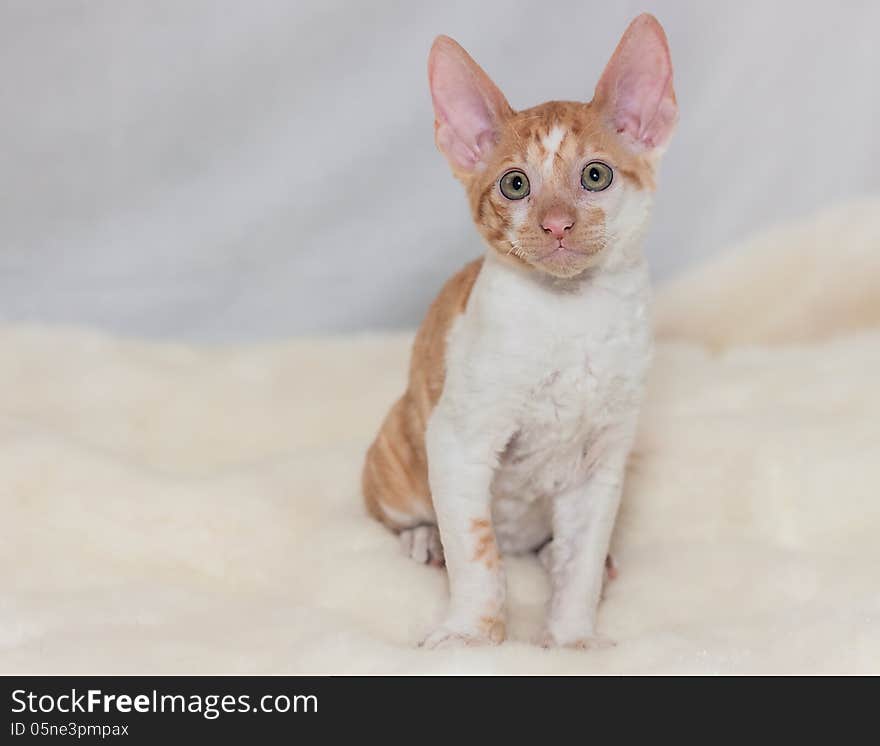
(487, 548)
(395, 476)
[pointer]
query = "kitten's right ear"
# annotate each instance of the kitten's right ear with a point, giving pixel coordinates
(468, 107)
(635, 91)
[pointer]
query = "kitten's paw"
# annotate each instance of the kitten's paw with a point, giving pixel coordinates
(591, 642)
(422, 544)
(610, 568)
(545, 556)
(489, 631)
(450, 638)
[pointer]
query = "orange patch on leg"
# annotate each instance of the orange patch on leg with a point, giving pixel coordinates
(487, 549)
(494, 628)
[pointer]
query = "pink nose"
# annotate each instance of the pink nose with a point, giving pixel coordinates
(557, 222)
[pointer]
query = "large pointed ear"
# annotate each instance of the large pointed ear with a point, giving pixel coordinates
(468, 107)
(635, 92)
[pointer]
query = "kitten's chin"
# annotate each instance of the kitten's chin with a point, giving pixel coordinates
(561, 263)
(567, 263)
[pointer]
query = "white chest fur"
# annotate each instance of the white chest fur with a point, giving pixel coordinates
(548, 373)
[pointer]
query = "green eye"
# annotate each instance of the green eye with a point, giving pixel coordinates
(514, 185)
(596, 176)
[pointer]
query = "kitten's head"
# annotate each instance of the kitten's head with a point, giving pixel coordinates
(558, 187)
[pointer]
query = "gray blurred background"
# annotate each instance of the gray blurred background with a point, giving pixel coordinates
(252, 170)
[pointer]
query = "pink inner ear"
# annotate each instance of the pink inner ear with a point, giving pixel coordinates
(637, 85)
(463, 118)
(467, 106)
(645, 109)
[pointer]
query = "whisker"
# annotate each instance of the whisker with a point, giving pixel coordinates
(515, 248)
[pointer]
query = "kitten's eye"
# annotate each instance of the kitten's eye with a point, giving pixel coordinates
(514, 185)
(596, 176)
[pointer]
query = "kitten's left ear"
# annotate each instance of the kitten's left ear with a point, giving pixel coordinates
(468, 107)
(635, 91)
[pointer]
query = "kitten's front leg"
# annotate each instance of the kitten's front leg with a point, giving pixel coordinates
(583, 520)
(460, 471)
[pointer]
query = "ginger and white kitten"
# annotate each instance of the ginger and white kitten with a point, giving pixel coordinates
(527, 373)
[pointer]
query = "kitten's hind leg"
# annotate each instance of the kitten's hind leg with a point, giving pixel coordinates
(521, 526)
(422, 543)
(545, 557)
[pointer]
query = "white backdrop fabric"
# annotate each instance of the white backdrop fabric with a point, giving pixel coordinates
(226, 170)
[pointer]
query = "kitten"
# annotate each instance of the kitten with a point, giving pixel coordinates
(527, 373)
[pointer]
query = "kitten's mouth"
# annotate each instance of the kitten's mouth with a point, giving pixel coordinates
(561, 251)
(590, 247)
(565, 261)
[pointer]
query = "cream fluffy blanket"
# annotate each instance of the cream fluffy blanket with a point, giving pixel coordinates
(171, 509)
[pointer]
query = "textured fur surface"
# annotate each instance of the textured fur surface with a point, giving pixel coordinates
(180, 509)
